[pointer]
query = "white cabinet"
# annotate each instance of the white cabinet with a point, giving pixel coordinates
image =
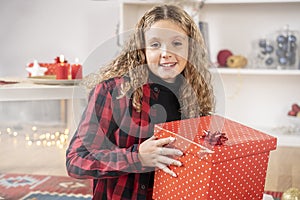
(72, 98)
(259, 98)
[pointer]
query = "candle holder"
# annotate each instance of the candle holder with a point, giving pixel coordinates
(62, 70)
(76, 71)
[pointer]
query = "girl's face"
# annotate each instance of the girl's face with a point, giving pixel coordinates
(166, 49)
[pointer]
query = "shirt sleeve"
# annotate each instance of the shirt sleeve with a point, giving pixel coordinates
(91, 153)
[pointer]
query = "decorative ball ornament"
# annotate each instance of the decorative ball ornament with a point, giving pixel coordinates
(222, 57)
(236, 61)
(291, 194)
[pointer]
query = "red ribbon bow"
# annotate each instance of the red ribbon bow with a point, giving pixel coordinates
(216, 138)
(57, 60)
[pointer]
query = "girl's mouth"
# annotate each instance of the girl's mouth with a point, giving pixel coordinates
(168, 65)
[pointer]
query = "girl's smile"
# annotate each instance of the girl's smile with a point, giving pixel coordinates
(167, 65)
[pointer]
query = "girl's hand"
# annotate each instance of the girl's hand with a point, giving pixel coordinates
(152, 153)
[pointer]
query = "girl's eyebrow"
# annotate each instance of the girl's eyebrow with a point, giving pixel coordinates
(153, 39)
(184, 37)
(174, 37)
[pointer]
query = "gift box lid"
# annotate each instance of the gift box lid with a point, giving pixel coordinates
(190, 138)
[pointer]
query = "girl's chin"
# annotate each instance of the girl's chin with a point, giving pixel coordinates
(167, 78)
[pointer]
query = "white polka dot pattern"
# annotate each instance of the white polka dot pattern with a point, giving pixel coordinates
(236, 170)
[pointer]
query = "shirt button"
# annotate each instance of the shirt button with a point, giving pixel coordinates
(155, 89)
(143, 187)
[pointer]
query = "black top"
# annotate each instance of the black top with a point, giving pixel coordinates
(165, 103)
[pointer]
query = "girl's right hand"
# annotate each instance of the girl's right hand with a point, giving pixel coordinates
(152, 153)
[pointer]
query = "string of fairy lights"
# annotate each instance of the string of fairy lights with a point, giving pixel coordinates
(38, 137)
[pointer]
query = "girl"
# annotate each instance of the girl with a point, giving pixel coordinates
(160, 76)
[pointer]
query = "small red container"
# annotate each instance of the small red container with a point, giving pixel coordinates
(76, 71)
(62, 71)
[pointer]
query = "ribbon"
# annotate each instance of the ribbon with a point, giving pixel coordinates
(215, 138)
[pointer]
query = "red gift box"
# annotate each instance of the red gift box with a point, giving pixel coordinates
(50, 66)
(234, 170)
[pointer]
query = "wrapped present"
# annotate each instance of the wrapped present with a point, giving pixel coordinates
(222, 159)
(50, 66)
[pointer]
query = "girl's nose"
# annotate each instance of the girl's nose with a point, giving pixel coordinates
(165, 53)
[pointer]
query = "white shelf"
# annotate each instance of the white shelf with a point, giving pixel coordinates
(27, 91)
(283, 139)
(136, 2)
(230, 71)
(287, 140)
(141, 2)
(248, 1)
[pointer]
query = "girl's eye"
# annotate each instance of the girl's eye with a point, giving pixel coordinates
(177, 43)
(155, 45)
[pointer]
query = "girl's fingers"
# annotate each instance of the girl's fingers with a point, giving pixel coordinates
(166, 169)
(169, 161)
(153, 137)
(164, 141)
(169, 151)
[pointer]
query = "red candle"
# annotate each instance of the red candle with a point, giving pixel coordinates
(62, 71)
(76, 71)
(62, 68)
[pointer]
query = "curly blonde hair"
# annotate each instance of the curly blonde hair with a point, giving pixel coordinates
(196, 95)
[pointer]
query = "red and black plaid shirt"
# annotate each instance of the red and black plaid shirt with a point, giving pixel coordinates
(105, 145)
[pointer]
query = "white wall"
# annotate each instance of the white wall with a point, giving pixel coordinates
(42, 30)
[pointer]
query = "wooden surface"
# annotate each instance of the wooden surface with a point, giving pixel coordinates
(284, 169)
